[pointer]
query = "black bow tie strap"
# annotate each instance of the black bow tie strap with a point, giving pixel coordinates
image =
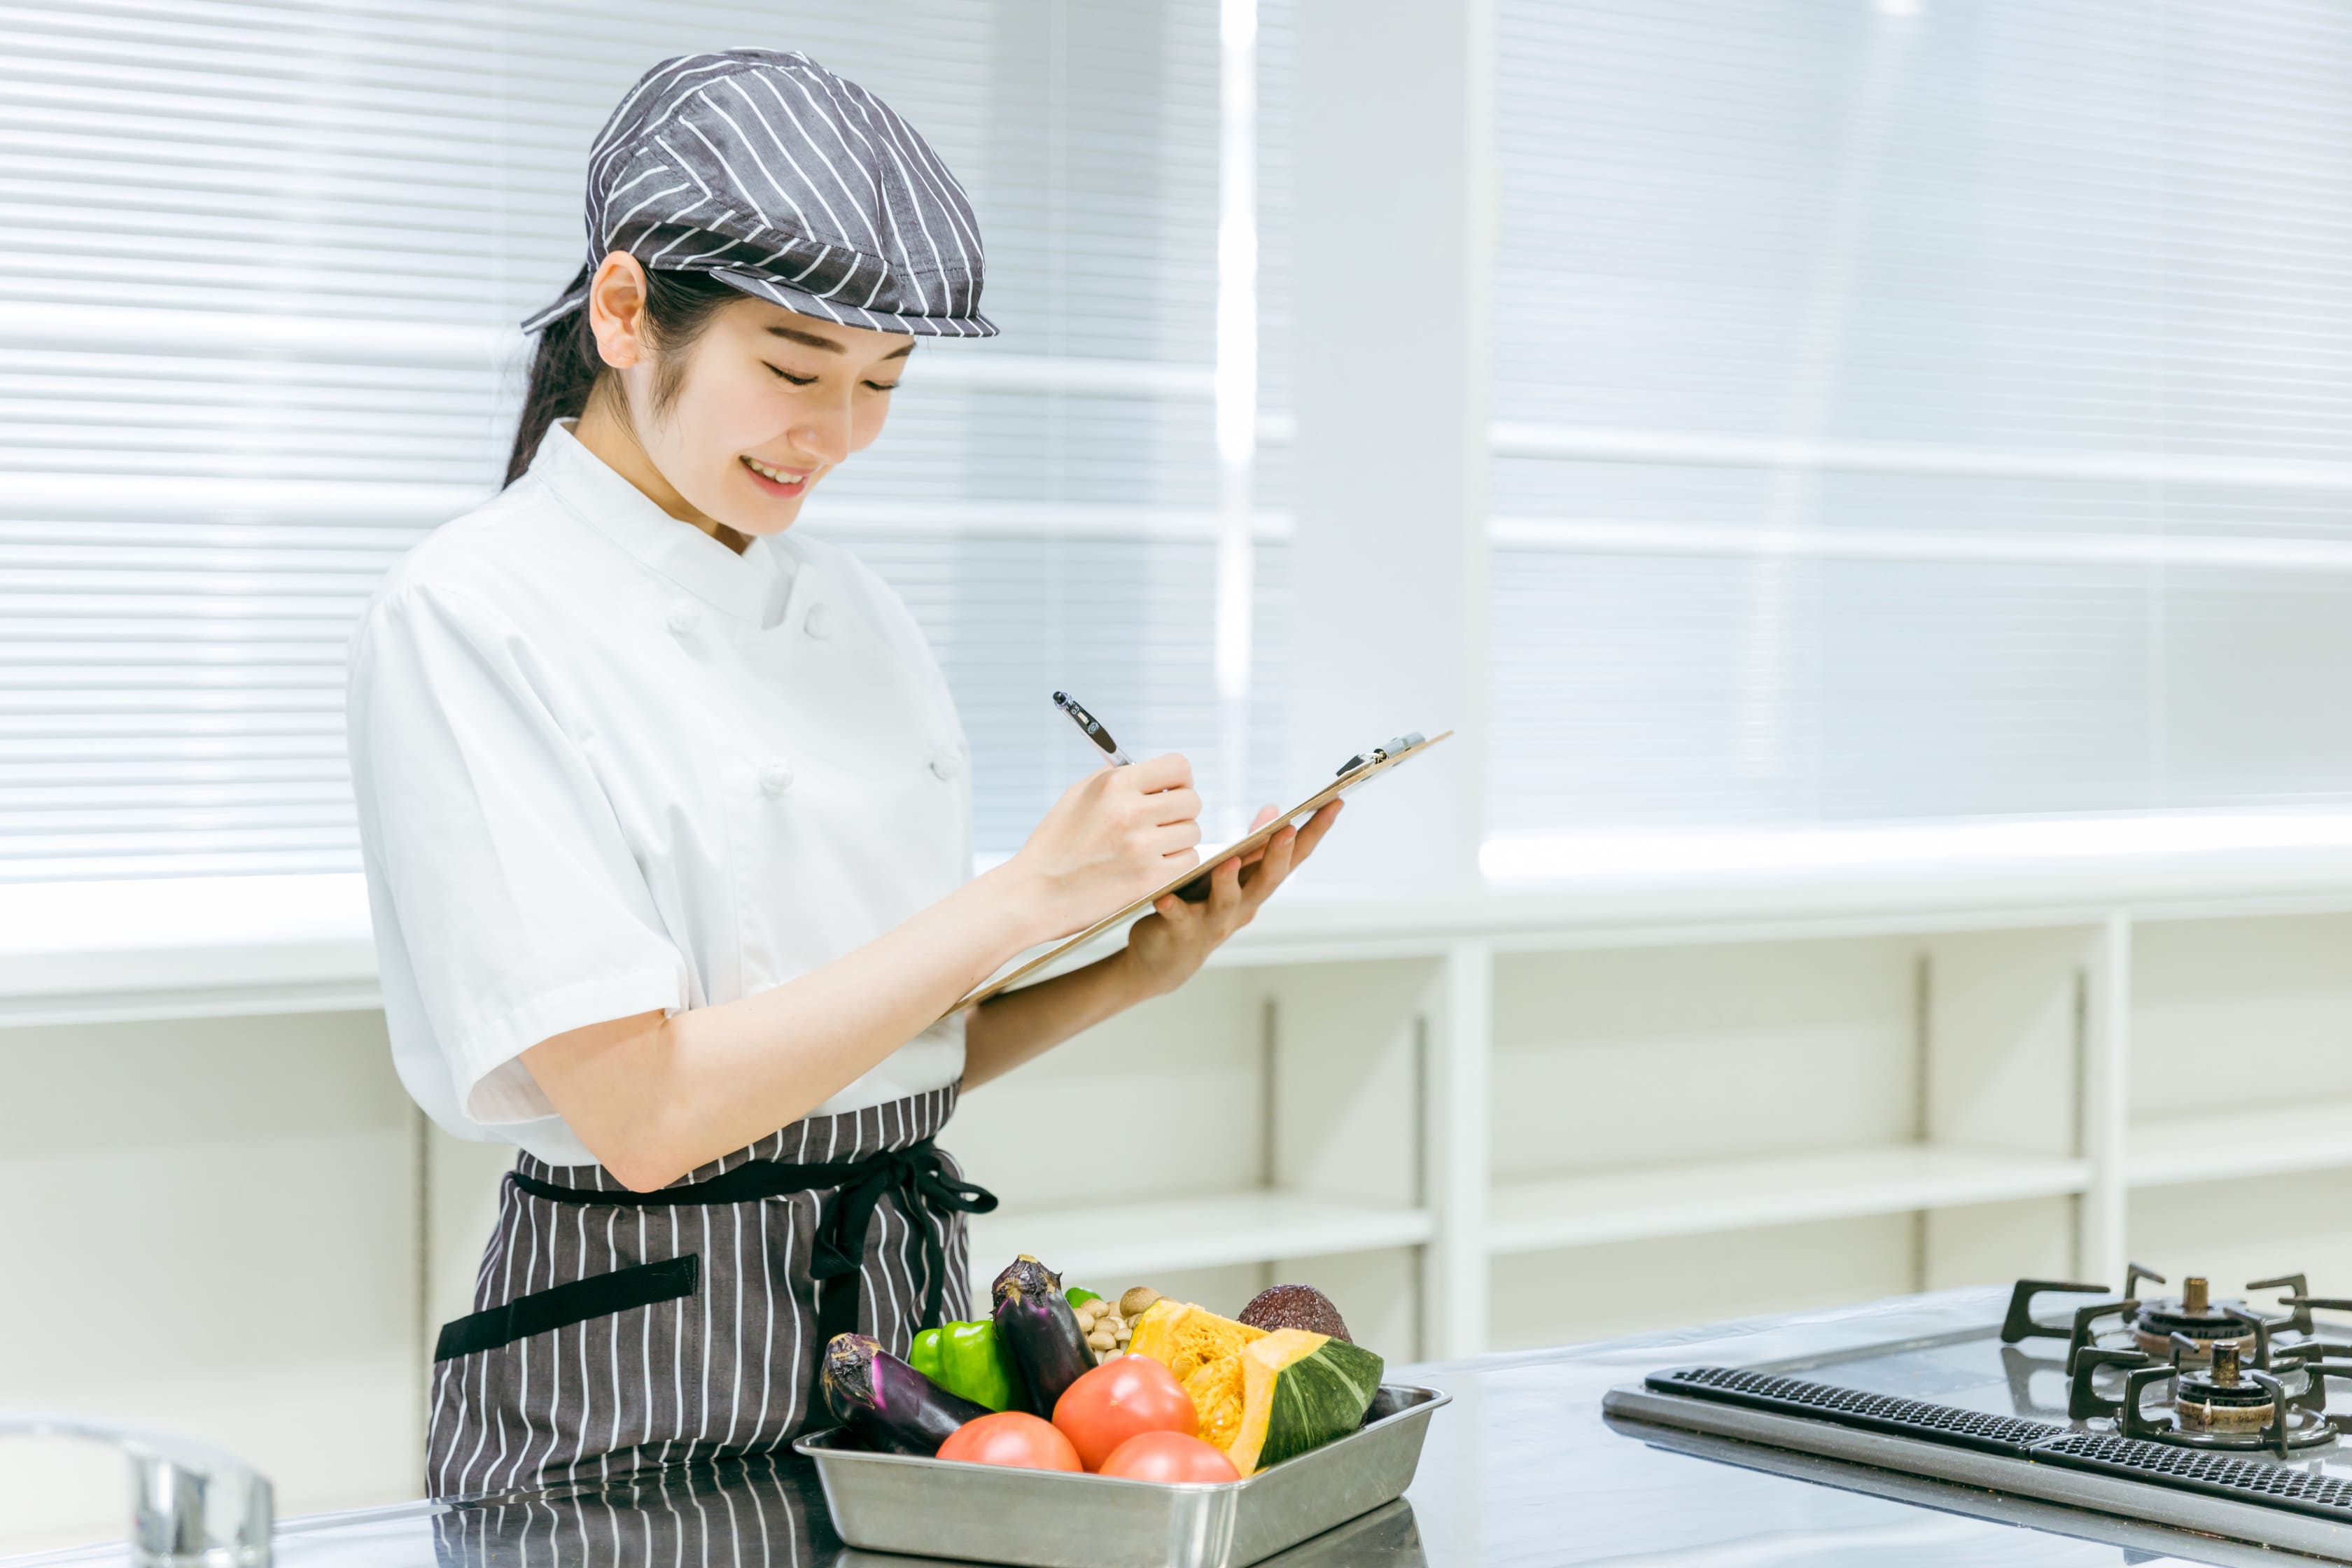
(918, 1174)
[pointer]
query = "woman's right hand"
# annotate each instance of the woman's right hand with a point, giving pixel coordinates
(1114, 834)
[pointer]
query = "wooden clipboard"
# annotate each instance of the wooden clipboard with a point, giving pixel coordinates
(1376, 762)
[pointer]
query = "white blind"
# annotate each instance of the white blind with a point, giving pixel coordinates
(1921, 409)
(256, 339)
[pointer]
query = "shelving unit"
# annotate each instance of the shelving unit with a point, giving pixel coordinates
(1140, 1241)
(2226, 1146)
(1762, 1081)
(1644, 1204)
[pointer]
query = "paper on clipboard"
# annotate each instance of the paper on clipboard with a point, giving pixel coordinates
(1254, 841)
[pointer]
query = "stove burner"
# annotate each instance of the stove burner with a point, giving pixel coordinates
(2196, 1373)
(2191, 1324)
(2218, 1399)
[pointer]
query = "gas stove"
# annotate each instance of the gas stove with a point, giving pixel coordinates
(2183, 1408)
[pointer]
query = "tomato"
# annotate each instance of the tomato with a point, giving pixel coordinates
(1169, 1457)
(1011, 1437)
(1121, 1399)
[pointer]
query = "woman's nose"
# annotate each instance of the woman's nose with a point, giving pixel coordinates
(823, 432)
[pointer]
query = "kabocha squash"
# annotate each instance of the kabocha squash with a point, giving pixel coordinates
(1184, 1338)
(1216, 1391)
(1298, 1391)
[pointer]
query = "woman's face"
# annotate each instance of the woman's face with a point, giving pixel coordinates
(746, 420)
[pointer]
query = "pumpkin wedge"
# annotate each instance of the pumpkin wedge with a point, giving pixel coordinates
(1184, 1338)
(1298, 1391)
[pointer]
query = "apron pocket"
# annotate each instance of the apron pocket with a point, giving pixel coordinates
(561, 1306)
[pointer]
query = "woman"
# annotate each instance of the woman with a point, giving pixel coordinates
(664, 819)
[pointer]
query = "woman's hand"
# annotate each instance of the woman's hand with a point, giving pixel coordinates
(1165, 948)
(1113, 836)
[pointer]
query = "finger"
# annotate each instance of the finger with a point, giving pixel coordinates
(1179, 805)
(1174, 837)
(1180, 859)
(1312, 834)
(1226, 889)
(1265, 814)
(1275, 867)
(1170, 906)
(1169, 771)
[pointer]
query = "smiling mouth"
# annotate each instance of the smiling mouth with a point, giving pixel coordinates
(780, 481)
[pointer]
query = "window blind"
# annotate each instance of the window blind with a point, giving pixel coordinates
(1920, 410)
(256, 339)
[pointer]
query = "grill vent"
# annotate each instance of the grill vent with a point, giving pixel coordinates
(2222, 1474)
(1854, 1407)
(2260, 1482)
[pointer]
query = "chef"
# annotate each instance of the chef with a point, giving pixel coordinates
(666, 818)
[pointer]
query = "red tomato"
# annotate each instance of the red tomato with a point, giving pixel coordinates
(1169, 1457)
(1011, 1437)
(1121, 1399)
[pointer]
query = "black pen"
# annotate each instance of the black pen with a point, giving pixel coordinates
(1091, 729)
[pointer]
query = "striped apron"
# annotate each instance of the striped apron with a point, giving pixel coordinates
(615, 1331)
(760, 1511)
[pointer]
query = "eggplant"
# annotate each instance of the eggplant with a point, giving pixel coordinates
(1035, 1321)
(887, 1404)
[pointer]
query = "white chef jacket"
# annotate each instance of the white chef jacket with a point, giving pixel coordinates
(607, 765)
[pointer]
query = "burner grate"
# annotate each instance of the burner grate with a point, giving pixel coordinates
(2220, 1475)
(1853, 1407)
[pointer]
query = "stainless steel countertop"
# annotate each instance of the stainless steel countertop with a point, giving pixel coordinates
(1520, 1469)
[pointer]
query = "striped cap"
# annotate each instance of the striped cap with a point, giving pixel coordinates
(774, 175)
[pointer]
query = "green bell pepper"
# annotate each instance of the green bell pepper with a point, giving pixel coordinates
(968, 1360)
(1078, 1295)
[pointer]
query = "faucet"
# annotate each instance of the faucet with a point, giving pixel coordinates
(191, 1505)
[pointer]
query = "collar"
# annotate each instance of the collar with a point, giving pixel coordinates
(752, 587)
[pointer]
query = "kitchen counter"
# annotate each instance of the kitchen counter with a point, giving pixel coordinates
(1521, 1468)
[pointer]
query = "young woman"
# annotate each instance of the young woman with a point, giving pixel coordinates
(665, 817)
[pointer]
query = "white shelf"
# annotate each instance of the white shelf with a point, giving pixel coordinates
(163, 947)
(1688, 1200)
(2268, 1143)
(1124, 1243)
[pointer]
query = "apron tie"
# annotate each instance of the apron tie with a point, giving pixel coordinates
(917, 1173)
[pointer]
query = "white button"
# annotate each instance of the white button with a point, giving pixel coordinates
(682, 617)
(776, 777)
(818, 622)
(946, 763)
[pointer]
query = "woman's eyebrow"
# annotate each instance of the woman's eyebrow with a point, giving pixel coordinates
(813, 340)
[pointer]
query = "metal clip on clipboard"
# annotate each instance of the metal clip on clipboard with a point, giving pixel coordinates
(1197, 890)
(1395, 748)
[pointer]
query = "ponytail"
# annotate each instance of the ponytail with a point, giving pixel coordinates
(563, 371)
(566, 367)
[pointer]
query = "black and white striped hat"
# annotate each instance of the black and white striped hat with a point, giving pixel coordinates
(774, 175)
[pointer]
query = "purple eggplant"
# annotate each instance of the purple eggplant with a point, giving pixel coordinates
(1034, 1319)
(887, 1404)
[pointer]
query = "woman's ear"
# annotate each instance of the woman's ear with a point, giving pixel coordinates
(616, 310)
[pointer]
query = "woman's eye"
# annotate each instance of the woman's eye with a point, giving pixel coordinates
(788, 375)
(883, 386)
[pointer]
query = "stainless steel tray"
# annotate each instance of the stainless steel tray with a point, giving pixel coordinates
(1048, 1519)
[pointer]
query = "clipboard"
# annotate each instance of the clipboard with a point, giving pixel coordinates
(1360, 769)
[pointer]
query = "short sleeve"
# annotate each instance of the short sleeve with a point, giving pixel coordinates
(522, 911)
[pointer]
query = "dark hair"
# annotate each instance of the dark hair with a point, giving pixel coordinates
(566, 368)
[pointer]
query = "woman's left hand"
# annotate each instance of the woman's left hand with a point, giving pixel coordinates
(1166, 947)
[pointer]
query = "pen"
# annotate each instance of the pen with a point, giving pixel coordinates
(1088, 727)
